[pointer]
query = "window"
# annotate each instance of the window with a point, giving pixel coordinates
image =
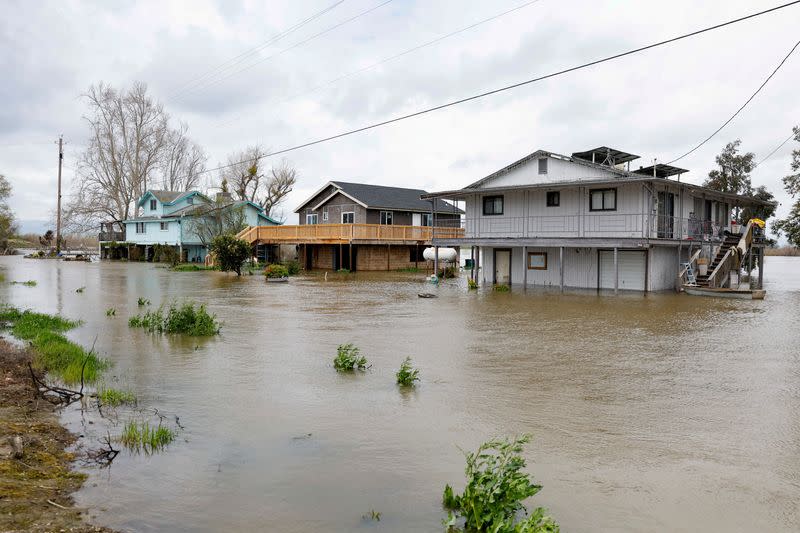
(348, 217)
(537, 260)
(603, 200)
(543, 166)
(416, 254)
(153, 205)
(325, 214)
(553, 198)
(386, 218)
(140, 227)
(492, 205)
(311, 218)
(190, 200)
(427, 219)
(164, 226)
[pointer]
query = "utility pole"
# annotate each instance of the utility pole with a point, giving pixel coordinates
(58, 206)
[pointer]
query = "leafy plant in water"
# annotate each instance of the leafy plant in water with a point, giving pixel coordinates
(344, 270)
(177, 319)
(29, 283)
(501, 288)
(111, 311)
(141, 436)
(293, 266)
(142, 302)
(407, 374)
(80, 290)
(230, 252)
(348, 358)
(372, 515)
(496, 488)
(276, 271)
(116, 397)
(472, 284)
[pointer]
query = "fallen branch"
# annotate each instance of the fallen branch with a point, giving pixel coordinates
(51, 502)
(66, 396)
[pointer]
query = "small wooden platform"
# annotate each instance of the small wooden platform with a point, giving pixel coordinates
(741, 294)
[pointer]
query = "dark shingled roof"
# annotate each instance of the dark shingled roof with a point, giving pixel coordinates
(397, 198)
(168, 196)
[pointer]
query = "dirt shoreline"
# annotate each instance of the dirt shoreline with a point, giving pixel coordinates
(35, 489)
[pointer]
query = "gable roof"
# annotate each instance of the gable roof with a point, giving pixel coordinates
(166, 197)
(383, 197)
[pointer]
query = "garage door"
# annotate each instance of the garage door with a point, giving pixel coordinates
(632, 267)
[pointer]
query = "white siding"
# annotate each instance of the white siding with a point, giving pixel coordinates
(580, 267)
(557, 170)
(663, 268)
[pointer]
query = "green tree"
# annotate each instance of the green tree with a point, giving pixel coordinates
(230, 253)
(734, 170)
(8, 226)
(791, 224)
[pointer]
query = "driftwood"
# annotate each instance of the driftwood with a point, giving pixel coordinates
(62, 396)
(103, 456)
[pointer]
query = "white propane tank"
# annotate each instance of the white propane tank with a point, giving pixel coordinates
(447, 255)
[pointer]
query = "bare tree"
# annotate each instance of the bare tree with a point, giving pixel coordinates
(131, 148)
(221, 217)
(248, 181)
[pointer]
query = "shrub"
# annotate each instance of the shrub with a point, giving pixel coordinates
(230, 253)
(177, 319)
(164, 253)
(472, 284)
(293, 266)
(348, 359)
(275, 271)
(496, 488)
(142, 436)
(407, 374)
(501, 288)
(116, 397)
(448, 272)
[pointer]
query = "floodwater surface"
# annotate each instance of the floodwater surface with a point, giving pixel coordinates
(658, 412)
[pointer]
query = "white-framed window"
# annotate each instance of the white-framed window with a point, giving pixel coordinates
(164, 226)
(140, 227)
(311, 218)
(153, 205)
(603, 200)
(386, 218)
(543, 166)
(325, 214)
(427, 219)
(348, 217)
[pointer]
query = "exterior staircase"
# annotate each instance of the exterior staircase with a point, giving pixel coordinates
(729, 242)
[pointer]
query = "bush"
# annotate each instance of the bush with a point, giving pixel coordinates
(496, 488)
(348, 359)
(472, 284)
(164, 253)
(293, 266)
(501, 288)
(448, 272)
(407, 374)
(183, 319)
(276, 271)
(230, 253)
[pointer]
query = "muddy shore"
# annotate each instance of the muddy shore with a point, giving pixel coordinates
(36, 488)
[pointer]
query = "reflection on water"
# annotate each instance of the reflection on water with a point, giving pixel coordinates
(657, 412)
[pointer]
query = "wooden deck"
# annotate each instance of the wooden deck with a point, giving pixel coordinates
(347, 233)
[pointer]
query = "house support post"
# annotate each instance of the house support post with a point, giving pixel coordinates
(761, 267)
(477, 263)
(616, 272)
(388, 256)
(472, 255)
(561, 267)
(350, 251)
(436, 260)
(341, 257)
(416, 257)
(524, 267)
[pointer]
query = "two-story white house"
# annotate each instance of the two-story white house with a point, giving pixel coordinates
(174, 218)
(589, 221)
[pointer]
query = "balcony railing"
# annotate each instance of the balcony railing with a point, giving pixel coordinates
(336, 233)
(614, 225)
(118, 236)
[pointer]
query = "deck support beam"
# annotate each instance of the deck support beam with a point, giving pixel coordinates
(616, 271)
(436, 261)
(477, 263)
(760, 267)
(561, 267)
(524, 267)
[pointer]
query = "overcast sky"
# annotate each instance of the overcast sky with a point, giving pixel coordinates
(656, 104)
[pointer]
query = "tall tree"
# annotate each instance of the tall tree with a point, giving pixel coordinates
(734, 170)
(222, 217)
(791, 224)
(248, 180)
(8, 226)
(131, 148)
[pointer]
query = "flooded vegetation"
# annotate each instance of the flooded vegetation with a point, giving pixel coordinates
(650, 412)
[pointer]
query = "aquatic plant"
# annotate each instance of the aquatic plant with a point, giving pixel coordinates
(142, 302)
(472, 284)
(407, 374)
(496, 488)
(348, 358)
(177, 319)
(55, 354)
(408, 269)
(80, 290)
(29, 283)
(372, 515)
(499, 287)
(111, 311)
(447, 272)
(141, 436)
(191, 267)
(116, 397)
(276, 271)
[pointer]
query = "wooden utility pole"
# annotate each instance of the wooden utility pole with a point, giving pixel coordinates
(58, 205)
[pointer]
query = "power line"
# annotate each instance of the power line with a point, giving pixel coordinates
(513, 86)
(742, 106)
(247, 53)
(789, 138)
(281, 52)
(392, 58)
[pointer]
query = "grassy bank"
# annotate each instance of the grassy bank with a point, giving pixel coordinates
(786, 251)
(54, 353)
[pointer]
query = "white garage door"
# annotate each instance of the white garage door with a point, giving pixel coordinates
(632, 266)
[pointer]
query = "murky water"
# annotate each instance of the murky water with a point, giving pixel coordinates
(649, 413)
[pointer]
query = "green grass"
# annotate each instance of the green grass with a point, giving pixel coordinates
(408, 269)
(348, 359)
(141, 436)
(29, 283)
(116, 397)
(177, 319)
(111, 312)
(191, 267)
(407, 374)
(501, 288)
(55, 354)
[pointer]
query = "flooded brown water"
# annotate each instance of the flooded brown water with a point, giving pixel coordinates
(657, 412)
